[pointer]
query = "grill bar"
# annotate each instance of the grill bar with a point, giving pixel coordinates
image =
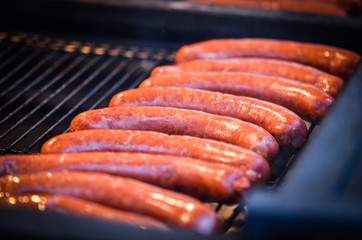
(20, 66)
(94, 90)
(86, 67)
(36, 81)
(29, 73)
(71, 66)
(108, 93)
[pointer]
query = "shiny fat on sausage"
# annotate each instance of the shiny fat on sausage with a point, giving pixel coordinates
(305, 100)
(310, 7)
(271, 67)
(67, 205)
(333, 60)
(123, 193)
(206, 181)
(252, 164)
(285, 126)
(180, 122)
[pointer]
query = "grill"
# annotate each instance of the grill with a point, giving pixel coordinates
(52, 80)
(48, 78)
(59, 79)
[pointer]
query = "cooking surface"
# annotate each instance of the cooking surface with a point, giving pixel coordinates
(48, 81)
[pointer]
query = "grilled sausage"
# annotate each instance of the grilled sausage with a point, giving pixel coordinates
(285, 126)
(180, 122)
(123, 193)
(306, 100)
(347, 5)
(316, 7)
(204, 180)
(253, 165)
(68, 205)
(271, 67)
(333, 60)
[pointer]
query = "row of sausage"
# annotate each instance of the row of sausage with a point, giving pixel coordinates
(320, 7)
(205, 129)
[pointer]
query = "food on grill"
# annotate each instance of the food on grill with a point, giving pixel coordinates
(306, 100)
(68, 205)
(180, 122)
(120, 157)
(319, 7)
(124, 193)
(336, 61)
(286, 127)
(253, 165)
(203, 180)
(270, 67)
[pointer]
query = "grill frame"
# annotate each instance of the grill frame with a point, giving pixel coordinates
(135, 27)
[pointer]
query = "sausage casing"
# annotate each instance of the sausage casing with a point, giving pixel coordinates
(253, 165)
(285, 126)
(205, 180)
(311, 7)
(306, 100)
(68, 205)
(272, 67)
(333, 60)
(180, 122)
(118, 192)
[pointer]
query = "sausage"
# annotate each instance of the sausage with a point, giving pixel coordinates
(123, 193)
(68, 205)
(333, 60)
(180, 122)
(252, 164)
(306, 100)
(316, 7)
(271, 67)
(285, 126)
(205, 180)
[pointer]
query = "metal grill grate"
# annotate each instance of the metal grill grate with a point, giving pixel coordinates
(46, 82)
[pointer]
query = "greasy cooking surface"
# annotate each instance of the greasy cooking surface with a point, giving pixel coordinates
(57, 79)
(48, 81)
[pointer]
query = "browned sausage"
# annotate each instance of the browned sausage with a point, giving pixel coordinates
(204, 180)
(271, 67)
(123, 193)
(316, 7)
(180, 122)
(68, 205)
(253, 165)
(306, 100)
(333, 60)
(286, 127)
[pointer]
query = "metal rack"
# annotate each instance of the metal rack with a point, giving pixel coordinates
(48, 81)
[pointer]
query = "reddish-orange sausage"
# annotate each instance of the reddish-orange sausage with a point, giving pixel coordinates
(287, 128)
(271, 67)
(180, 122)
(204, 180)
(316, 7)
(123, 193)
(252, 164)
(306, 100)
(334, 60)
(68, 205)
